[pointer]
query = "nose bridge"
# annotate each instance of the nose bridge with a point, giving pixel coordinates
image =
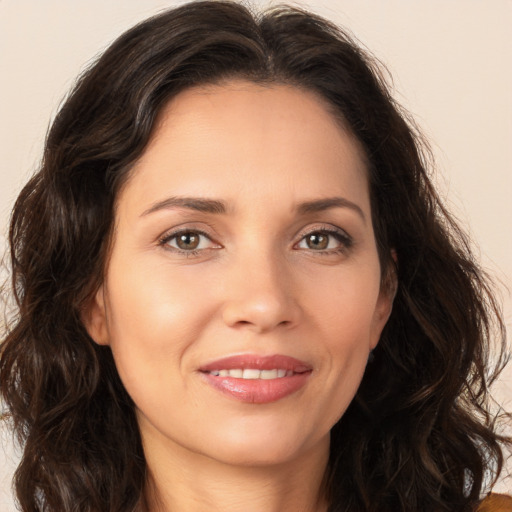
(259, 291)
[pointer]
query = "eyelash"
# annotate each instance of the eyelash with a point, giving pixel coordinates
(342, 237)
(345, 240)
(165, 239)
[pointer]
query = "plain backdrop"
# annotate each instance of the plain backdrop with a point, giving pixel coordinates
(451, 62)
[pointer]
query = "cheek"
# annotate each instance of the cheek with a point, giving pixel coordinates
(153, 318)
(153, 300)
(343, 309)
(346, 303)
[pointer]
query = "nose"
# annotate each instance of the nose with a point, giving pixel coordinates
(260, 295)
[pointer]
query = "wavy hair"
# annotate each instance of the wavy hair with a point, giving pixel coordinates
(419, 434)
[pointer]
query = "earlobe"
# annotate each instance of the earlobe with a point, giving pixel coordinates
(94, 318)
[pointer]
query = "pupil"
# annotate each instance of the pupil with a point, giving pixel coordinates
(318, 241)
(188, 241)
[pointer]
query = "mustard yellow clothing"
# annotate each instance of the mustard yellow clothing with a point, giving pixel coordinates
(496, 503)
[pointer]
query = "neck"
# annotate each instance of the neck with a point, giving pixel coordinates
(178, 480)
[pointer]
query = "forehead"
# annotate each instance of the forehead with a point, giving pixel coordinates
(250, 138)
(277, 104)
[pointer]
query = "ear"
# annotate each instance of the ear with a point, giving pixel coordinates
(388, 289)
(94, 318)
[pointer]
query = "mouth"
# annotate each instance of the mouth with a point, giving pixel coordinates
(252, 373)
(257, 379)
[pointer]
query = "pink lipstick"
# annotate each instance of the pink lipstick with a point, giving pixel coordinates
(257, 379)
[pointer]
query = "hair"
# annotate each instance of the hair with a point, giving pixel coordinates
(419, 435)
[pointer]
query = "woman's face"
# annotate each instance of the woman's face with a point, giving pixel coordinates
(243, 293)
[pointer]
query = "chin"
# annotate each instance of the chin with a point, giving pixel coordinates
(265, 445)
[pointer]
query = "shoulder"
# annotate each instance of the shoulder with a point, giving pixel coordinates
(496, 503)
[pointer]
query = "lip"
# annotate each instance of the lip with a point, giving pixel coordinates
(257, 391)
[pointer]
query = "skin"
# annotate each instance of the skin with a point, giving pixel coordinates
(256, 285)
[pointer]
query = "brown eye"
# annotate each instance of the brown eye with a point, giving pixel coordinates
(326, 241)
(188, 241)
(317, 241)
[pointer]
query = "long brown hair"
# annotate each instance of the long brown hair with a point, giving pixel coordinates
(418, 435)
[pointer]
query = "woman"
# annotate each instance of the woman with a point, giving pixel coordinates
(237, 287)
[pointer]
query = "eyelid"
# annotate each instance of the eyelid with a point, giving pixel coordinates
(341, 235)
(344, 239)
(164, 239)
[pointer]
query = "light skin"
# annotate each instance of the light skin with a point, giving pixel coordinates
(270, 268)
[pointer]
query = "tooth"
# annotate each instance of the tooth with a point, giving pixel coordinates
(251, 373)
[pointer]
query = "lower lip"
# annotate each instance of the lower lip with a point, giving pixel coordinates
(258, 391)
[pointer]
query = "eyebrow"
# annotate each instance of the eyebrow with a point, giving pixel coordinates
(192, 203)
(319, 205)
(217, 207)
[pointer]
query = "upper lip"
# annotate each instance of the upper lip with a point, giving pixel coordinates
(258, 362)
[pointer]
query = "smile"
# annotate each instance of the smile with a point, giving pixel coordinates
(253, 373)
(256, 379)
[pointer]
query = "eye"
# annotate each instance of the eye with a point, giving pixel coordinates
(326, 241)
(187, 241)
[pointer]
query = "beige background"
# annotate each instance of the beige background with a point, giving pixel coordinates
(451, 63)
